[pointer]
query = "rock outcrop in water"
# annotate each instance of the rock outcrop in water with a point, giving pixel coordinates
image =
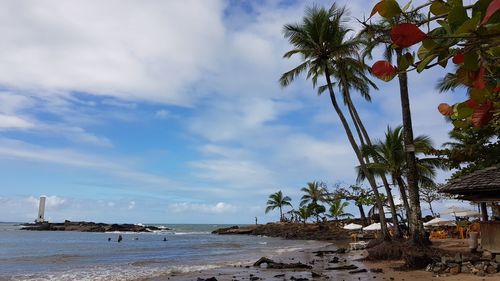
(317, 231)
(89, 227)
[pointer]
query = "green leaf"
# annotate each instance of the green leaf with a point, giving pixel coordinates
(457, 16)
(471, 61)
(463, 110)
(439, 8)
(460, 124)
(405, 8)
(469, 25)
(403, 63)
(423, 63)
(422, 52)
(429, 44)
(389, 9)
(479, 96)
(442, 58)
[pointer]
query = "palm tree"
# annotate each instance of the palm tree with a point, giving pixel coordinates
(277, 200)
(337, 209)
(321, 40)
(415, 219)
(303, 213)
(391, 160)
(314, 192)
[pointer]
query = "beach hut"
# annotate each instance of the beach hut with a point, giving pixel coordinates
(483, 187)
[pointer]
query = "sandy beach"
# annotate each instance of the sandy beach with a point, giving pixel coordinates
(322, 261)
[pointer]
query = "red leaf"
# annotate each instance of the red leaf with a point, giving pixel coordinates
(458, 58)
(491, 10)
(496, 89)
(471, 103)
(479, 82)
(383, 70)
(445, 109)
(406, 34)
(482, 115)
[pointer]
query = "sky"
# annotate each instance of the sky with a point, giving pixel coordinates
(171, 111)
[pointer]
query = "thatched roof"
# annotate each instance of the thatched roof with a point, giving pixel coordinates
(482, 185)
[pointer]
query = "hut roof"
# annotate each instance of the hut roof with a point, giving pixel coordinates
(482, 185)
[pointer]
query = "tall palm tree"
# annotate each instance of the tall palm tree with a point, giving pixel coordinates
(351, 74)
(277, 200)
(321, 39)
(373, 39)
(391, 160)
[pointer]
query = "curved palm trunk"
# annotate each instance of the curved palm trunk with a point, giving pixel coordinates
(364, 134)
(362, 214)
(281, 214)
(416, 225)
(371, 180)
(404, 197)
(430, 207)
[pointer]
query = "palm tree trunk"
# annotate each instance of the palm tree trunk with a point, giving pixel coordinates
(416, 225)
(362, 214)
(430, 207)
(359, 124)
(369, 176)
(404, 197)
(281, 214)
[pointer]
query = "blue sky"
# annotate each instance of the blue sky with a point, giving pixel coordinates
(170, 111)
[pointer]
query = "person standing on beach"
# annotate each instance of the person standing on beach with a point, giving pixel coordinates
(255, 220)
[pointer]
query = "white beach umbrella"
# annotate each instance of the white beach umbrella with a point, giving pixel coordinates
(353, 226)
(468, 213)
(375, 226)
(439, 221)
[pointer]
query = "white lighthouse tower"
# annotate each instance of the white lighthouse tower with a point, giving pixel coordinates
(41, 210)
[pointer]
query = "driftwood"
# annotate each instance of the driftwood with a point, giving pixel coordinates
(344, 267)
(358, 271)
(279, 265)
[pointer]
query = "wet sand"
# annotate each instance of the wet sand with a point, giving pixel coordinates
(320, 264)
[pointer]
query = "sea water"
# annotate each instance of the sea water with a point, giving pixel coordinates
(54, 255)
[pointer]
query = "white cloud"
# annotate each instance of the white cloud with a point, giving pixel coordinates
(218, 208)
(111, 204)
(14, 122)
(123, 49)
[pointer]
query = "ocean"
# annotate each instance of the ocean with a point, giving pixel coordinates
(51, 255)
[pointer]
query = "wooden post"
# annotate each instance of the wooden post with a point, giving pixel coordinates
(484, 212)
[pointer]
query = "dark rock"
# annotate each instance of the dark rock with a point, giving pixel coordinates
(279, 275)
(358, 271)
(344, 267)
(298, 279)
(88, 227)
(278, 265)
(334, 260)
(487, 255)
(481, 273)
(315, 275)
(491, 269)
(376, 270)
(208, 279)
(454, 269)
(458, 258)
(254, 278)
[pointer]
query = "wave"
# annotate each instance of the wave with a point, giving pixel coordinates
(112, 273)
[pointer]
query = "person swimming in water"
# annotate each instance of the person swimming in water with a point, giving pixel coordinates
(120, 238)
